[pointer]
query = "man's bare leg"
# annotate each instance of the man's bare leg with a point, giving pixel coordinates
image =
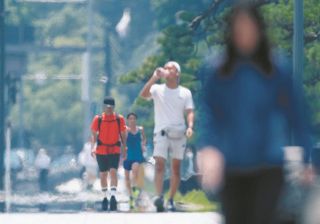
(159, 173)
(175, 177)
(158, 180)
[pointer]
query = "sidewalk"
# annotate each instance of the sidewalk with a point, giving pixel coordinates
(112, 218)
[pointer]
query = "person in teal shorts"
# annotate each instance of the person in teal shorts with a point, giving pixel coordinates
(136, 142)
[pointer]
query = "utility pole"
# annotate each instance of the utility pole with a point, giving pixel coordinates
(298, 52)
(112, 15)
(107, 61)
(7, 176)
(86, 74)
(298, 42)
(21, 113)
(2, 103)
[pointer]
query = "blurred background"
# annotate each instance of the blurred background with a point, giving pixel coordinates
(60, 57)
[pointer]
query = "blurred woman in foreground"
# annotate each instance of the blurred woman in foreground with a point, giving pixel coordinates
(252, 112)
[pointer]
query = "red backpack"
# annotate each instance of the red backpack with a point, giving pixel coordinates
(99, 142)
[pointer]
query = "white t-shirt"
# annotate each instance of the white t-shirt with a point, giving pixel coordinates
(42, 161)
(170, 105)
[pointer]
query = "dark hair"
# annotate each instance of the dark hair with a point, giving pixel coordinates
(261, 56)
(108, 100)
(133, 114)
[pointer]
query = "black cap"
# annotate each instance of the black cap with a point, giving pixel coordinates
(108, 100)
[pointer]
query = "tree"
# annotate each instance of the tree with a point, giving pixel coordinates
(65, 25)
(196, 36)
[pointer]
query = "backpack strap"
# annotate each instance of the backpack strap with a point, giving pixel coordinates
(118, 121)
(99, 125)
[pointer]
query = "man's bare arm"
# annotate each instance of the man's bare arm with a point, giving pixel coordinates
(94, 136)
(124, 143)
(145, 92)
(190, 122)
(144, 139)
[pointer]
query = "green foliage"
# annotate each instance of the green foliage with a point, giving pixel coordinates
(50, 118)
(159, 32)
(177, 43)
(52, 113)
(189, 47)
(145, 71)
(167, 11)
(18, 13)
(280, 20)
(67, 27)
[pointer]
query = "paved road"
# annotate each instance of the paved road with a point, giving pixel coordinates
(112, 218)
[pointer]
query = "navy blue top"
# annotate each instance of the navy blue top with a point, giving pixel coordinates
(250, 116)
(134, 146)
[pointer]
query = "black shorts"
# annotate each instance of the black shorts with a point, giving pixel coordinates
(107, 162)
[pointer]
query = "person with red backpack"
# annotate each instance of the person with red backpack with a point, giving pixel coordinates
(108, 135)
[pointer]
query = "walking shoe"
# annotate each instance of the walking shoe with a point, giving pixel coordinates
(131, 202)
(113, 203)
(105, 204)
(159, 204)
(171, 206)
(135, 192)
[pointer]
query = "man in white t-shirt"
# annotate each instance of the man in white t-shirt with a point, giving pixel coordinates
(171, 103)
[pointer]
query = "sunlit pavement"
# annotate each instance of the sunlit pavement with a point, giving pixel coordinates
(85, 209)
(72, 196)
(112, 218)
(70, 203)
(71, 199)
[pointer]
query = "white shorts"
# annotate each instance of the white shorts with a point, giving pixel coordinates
(164, 146)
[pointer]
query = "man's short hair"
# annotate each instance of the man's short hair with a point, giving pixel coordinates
(109, 101)
(175, 64)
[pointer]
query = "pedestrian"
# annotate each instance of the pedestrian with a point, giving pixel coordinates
(171, 102)
(249, 113)
(89, 164)
(108, 135)
(136, 143)
(42, 163)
